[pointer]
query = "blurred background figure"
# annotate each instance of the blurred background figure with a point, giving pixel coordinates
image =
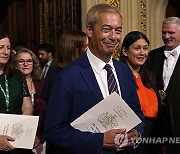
(71, 45)
(27, 62)
(14, 94)
(134, 53)
(46, 53)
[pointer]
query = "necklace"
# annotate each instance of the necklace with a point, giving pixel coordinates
(31, 89)
(6, 93)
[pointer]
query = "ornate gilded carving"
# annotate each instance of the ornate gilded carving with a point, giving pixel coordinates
(41, 22)
(115, 3)
(58, 16)
(143, 15)
(143, 6)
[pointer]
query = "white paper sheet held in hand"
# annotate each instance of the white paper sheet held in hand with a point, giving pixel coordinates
(21, 127)
(112, 112)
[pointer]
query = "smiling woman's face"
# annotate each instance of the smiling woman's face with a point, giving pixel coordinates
(25, 63)
(137, 53)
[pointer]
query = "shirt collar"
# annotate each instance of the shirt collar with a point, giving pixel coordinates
(96, 63)
(175, 50)
(48, 63)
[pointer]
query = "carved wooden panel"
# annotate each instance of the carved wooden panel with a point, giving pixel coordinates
(21, 22)
(30, 22)
(58, 16)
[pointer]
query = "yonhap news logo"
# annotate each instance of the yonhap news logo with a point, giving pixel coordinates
(157, 140)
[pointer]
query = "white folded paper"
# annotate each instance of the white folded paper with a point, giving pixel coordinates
(110, 113)
(21, 127)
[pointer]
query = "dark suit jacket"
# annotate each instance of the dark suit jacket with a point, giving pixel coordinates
(170, 112)
(75, 91)
(48, 82)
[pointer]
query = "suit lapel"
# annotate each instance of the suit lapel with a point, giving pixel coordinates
(121, 79)
(177, 67)
(89, 77)
(159, 65)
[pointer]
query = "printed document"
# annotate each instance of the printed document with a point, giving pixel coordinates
(21, 127)
(110, 113)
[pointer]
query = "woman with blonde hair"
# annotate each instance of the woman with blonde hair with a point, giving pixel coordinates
(27, 62)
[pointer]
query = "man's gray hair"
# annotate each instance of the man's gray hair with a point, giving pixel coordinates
(94, 12)
(172, 20)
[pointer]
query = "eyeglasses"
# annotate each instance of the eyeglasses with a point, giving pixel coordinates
(22, 61)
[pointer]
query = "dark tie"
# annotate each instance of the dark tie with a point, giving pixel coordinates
(45, 71)
(112, 84)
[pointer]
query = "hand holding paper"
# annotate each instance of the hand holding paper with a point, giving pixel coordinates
(20, 127)
(110, 113)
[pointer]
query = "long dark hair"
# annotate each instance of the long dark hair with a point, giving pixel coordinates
(147, 76)
(9, 67)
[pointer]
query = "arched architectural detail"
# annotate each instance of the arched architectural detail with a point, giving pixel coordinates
(85, 6)
(154, 13)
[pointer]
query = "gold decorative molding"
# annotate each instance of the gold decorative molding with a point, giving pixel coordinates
(143, 15)
(115, 3)
(56, 17)
(41, 21)
(143, 6)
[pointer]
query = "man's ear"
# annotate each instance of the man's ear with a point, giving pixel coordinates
(124, 51)
(89, 30)
(50, 54)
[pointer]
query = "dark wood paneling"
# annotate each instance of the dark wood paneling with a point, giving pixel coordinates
(173, 8)
(58, 16)
(21, 22)
(30, 22)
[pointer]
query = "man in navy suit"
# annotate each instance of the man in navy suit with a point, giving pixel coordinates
(83, 84)
(165, 63)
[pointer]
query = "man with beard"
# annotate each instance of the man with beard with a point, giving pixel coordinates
(165, 63)
(46, 54)
(83, 84)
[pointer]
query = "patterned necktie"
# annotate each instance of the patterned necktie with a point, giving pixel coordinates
(112, 85)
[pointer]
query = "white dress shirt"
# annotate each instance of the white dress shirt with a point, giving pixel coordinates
(45, 69)
(169, 64)
(101, 74)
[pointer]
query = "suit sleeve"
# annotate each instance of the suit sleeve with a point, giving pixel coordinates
(129, 94)
(58, 130)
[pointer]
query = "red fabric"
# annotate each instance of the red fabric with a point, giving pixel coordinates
(148, 99)
(40, 109)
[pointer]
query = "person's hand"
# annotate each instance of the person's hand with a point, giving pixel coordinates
(127, 140)
(36, 142)
(133, 134)
(109, 138)
(39, 148)
(4, 144)
(37, 145)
